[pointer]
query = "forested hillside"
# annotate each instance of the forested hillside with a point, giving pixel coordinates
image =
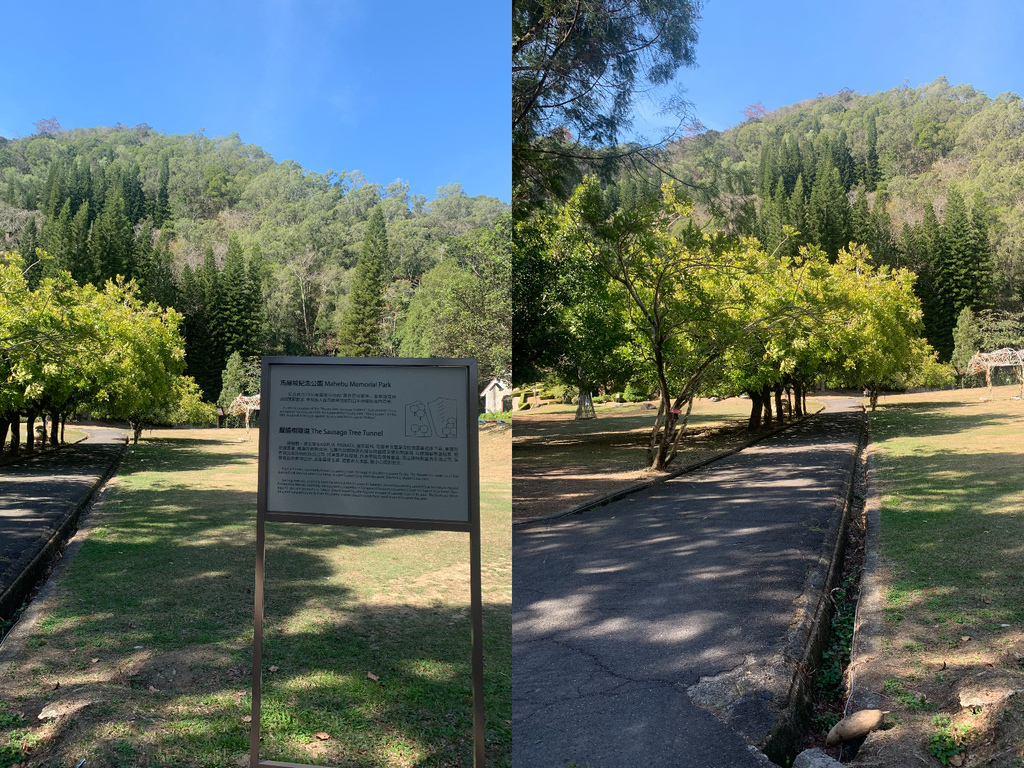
(261, 257)
(930, 178)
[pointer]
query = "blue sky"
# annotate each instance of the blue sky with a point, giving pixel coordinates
(412, 90)
(782, 53)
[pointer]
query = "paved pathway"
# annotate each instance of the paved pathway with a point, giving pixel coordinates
(618, 610)
(38, 493)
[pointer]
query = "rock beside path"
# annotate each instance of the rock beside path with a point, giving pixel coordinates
(815, 758)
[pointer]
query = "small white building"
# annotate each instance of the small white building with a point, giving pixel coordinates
(496, 397)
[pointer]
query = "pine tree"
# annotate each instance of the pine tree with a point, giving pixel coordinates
(930, 247)
(776, 217)
(871, 174)
(256, 271)
(882, 244)
(54, 192)
(843, 161)
(79, 183)
(828, 211)
(27, 245)
(359, 335)
(112, 242)
(983, 254)
(861, 219)
(235, 311)
(161, 281)
(142, 256)
(798, 211)
(58, 240)
(162, 208)
(79, 261)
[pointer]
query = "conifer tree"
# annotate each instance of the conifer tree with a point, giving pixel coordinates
(142, 257)
(27, 245)
(162, 207)
(871, 174)
(112, 242)
(359, 335)
(798, 210)
(58, 240)
(236, 322)
(80, 262)
(161, 286)
(882, 244)
(256, 272)
(828, 212)
(861, 219)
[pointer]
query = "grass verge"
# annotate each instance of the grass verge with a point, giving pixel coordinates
(143, 656)
(952, 526)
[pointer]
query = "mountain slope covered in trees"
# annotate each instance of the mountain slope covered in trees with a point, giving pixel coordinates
(259, 257)
(929, 178)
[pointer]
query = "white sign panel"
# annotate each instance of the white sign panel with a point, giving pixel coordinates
(368, 440)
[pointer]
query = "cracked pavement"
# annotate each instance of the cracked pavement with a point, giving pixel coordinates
(619, 610)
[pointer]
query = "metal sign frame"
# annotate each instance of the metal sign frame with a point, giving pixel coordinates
(471, 526)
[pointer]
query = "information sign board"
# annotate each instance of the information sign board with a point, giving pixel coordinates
(383, 442)
(389, 440)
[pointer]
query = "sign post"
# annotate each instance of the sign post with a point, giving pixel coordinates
(373, 442)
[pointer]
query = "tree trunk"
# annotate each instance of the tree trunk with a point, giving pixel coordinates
(766, 396)
(63, 424)
(16, 434)
(136, 431)
(874, 397)
(30, 431)
(778, 403)
(798, 391)
(54, 426)
(584, 406)
(756, 407)
(789, 399)
(5, 425)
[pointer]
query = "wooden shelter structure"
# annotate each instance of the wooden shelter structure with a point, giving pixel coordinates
(244, 404)
(984, 362)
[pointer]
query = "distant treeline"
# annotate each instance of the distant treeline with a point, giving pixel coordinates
(261, 257)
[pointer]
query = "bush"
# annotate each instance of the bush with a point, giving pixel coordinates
(634, 394)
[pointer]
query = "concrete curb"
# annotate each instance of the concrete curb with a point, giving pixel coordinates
(12, 597)
(627, 490)
(866, 645)
(810, 633)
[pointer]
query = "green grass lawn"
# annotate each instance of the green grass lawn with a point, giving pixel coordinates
(951, 473)
(152, 623)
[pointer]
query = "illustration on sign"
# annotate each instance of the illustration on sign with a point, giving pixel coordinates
(438, 418)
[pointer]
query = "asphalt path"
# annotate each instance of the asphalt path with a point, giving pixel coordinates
(39, 492)
(618, 610)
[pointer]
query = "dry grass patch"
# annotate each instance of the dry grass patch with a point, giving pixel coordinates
(950, 473)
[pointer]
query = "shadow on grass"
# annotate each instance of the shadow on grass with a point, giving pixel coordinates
(418, 712)
(953, 519)
(160, 595)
